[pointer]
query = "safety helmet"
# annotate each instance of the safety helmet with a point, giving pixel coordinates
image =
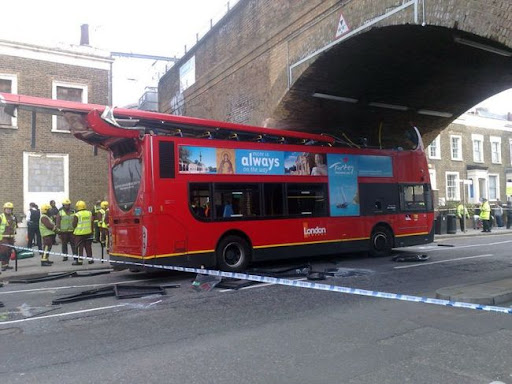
(45, 208)
(66, 202)
(8, 205)
(80, 205)
(104, 204)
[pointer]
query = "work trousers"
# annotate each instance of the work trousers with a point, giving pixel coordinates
(47, 247)
(83, 242)
(67, 238)
(5, 250)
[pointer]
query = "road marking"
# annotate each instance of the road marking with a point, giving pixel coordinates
(70, 286)
(62, 314)
(442, 261)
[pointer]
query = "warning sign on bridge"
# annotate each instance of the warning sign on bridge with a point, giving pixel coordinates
(342, 27)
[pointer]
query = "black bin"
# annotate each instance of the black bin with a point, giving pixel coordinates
(451, 224)
(440, 225)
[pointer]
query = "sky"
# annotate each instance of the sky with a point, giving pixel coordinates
(153, 27)
(500, 103)
(149, 27)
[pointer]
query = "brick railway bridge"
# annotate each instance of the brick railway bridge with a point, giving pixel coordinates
(351, 68)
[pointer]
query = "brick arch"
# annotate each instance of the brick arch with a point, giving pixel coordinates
(396, 76)
(243, 63)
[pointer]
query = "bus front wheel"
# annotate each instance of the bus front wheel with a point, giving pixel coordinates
(233, 254)
(381, 242)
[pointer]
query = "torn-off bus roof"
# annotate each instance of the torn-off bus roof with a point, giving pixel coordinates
(102, 125)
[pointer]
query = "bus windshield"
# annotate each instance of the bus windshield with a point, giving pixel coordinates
(126, 177)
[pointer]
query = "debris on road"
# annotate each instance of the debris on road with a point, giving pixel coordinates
(123, 291)
(205, 283)
(235, 284)
(44, 277)
(86, 295)
(415, 257)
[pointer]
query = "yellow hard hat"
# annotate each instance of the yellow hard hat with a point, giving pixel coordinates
(104, 204)
(45, 208)
(66, 202)
(9, 205)
(80, 205)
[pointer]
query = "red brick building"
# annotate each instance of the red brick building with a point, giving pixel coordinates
(48, 162)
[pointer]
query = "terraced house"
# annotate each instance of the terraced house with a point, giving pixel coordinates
(41, 159)
(472, 159)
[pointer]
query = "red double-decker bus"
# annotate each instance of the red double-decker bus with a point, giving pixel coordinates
(193, 192)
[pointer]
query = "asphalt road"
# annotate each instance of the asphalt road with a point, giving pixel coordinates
(267, 333)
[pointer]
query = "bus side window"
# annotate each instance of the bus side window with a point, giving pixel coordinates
(199, 200)
(236, 200)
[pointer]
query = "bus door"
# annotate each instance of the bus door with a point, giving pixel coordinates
(127, 216)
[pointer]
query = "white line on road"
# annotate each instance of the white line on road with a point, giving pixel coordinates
(61, 314)
(443, 261)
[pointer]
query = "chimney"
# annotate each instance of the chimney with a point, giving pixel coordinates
(84, 36)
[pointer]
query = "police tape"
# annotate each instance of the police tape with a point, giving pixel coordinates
(297, 283)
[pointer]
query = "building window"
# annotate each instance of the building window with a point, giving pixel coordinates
(434, 149)
(496, 150)
(510, 149)
(494, 187)
(433, 181)
(456, 147)
(452, 186)
(8, 84)
(478, 148)
(68, 92)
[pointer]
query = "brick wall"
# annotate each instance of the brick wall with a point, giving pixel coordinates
(446, 164)
(88, 174)
(242, 63)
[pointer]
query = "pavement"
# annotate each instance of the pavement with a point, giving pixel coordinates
(31, 267)
(495, 292)
(486, 293)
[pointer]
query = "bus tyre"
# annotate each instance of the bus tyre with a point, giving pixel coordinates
(381, 242)
(233, 254)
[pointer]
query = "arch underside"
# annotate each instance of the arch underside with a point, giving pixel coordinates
(384, 80)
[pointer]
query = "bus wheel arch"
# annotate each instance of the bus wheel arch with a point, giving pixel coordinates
(233, 252)
(381, 240)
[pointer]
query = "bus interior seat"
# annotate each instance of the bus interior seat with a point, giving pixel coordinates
(228, 210)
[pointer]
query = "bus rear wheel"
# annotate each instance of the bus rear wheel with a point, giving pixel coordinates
(233, 254)
(381, 242)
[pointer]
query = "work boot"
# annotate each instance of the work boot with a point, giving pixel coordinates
(76, 262)
(65, 258)
(45, 263)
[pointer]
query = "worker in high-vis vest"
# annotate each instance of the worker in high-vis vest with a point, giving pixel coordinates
(103, 223)
(96, 228)
(48, 229)
(65, 228)
(485, 215)
(83, 231)
(8, 226)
